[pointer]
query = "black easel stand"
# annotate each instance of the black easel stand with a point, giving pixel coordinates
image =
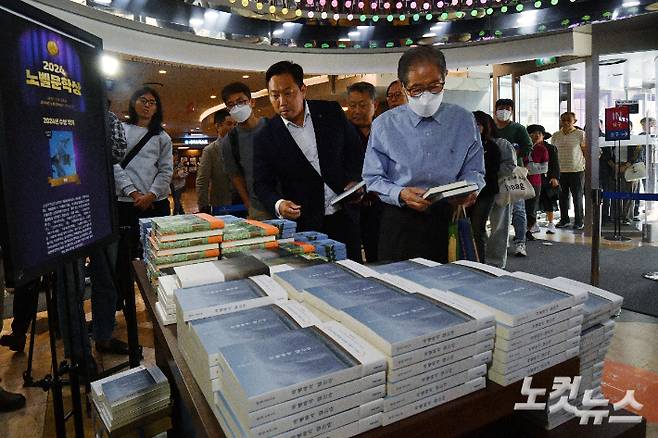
(28, 381)
(618, 203)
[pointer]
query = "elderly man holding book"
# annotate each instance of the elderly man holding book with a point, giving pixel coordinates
(415, 147)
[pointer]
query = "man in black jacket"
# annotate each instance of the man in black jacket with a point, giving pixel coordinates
(304, 157)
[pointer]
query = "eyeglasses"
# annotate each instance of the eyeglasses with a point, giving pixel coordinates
(396, 95)
(360, 105)
(434, 88)
(231, 105)
(288, 94)
(144, 101)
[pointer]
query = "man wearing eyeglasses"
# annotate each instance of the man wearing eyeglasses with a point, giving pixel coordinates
(413, 147)
(238, 146)
(395, 96)
(305, 156)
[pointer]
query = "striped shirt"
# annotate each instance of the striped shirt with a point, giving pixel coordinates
(570, 155)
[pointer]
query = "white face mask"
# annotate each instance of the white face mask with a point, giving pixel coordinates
(241, 112)
(426, 104)
(504, 115)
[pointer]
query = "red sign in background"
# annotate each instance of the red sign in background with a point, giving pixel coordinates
(617, 123)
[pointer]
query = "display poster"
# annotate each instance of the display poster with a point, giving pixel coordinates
(56, 178)
(616, 124)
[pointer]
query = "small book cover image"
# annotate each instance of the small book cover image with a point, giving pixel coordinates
(187, 223)
(62, 158)
(248, 229)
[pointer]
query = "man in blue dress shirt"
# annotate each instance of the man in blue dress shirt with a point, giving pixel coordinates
(413, 147)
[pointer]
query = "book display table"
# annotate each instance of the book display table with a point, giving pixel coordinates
(488, 412)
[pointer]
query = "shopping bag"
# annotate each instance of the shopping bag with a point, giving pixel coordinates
(514, 187)
(461, 244)
(635, 172)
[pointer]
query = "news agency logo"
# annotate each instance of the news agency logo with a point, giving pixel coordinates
(566, 391)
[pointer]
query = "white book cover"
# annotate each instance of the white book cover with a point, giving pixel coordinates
(218, 271)
(505, 357)
(614, 299)
(358, 427)
(482, 267)
(433, 401)
(508, 379)
(573, 314)
(579, 294)
(537, 335)
(323, 411)
(526, 361)
(426, 262)
(162, 316)
(439, 361)
(423, 354)
(168, 283)
(395, 402)
(395, 388)
(310, 401)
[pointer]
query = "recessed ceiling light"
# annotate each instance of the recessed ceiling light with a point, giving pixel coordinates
(164, 125)
(126, 116)
(162, 72)
(109, 65)
(630, 4)
(429, 35)
(245, 76)
(212, 96)
(277, 32)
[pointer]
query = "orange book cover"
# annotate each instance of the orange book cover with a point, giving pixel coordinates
(270, 230)
(215, 222)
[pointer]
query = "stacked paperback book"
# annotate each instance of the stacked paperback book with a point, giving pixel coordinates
(309, 236)
(287, 228)
(182, 240)
(600, 309)
(436, 348)
(330, 249)
(129, 396)
(538, 323)
(278, 371)
(246, 234)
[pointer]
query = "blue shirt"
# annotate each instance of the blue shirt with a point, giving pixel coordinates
(406, 150)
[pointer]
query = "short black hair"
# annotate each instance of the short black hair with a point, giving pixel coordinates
(155, 125)
(234, 88)
(363, 87)
(505, 102)
(221, 115)
(419, 54)
(285, 67)
(397, 81)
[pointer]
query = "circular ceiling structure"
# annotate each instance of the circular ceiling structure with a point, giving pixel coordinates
(368, 25)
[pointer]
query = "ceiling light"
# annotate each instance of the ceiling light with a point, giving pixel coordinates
(343, 40)
(109, 65)
(162, 72)
(353, 34)
(429, 35)
(183, 148)
(630, 4)
(277, 32)
(103, 2)
(245, 76)
(164, 125)
(126, 116)
(288, 24)
(212, 96)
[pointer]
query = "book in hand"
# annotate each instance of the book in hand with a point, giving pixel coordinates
(447, 191)
(348, 194)
(231, 296)
(127, 396)
(235, 268)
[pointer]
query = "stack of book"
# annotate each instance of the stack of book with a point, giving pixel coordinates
(127, 397)
(144, 233)
(600, 309)
(165, 307)
(227, 297)
(330, 249)
(281, 258)
(182, 240)
(436, 346)
(287, 228)
(247, 234)
(295, 247)
(309, 236)
(315, 381)
(538, 323)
